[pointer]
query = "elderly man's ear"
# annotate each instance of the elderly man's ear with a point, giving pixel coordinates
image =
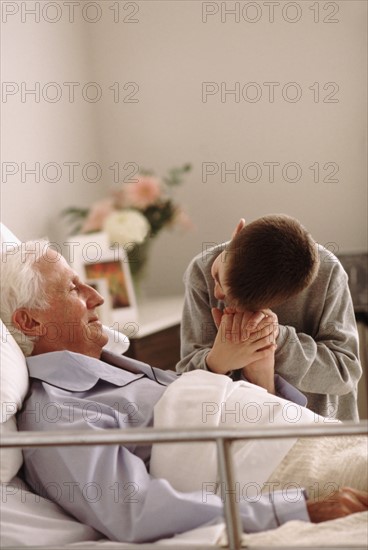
(238, 228)
(25, 321)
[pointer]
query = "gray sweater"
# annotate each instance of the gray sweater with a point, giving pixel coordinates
(317, 347)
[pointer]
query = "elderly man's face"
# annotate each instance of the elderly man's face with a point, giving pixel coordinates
(70, 322)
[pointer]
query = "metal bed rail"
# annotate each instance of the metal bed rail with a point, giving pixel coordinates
(222, 437)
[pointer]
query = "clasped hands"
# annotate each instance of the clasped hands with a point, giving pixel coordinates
(247, 341)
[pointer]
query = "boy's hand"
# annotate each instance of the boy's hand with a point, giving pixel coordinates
(216, 316)
(247, 322)
(262, 372)
(236, 328)
(261, 318)
(241, 326)
(231, 351)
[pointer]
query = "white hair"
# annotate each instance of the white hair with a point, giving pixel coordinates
(22, 285)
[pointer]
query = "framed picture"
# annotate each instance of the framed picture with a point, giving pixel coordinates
(85, 248)
(108, 270)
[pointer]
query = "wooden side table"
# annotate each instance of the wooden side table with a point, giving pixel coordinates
(157, 340)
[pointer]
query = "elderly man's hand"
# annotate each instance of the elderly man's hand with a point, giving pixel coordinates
(342, 503)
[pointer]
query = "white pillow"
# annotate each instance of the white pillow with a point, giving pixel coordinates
(118, 343)
(6, 236)
(31, 520)
(13, 375)
(11, 459)
(14, 384)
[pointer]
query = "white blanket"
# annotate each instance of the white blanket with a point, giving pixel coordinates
(202, 399)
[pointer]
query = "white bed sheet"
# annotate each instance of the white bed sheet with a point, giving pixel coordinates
(30, 520)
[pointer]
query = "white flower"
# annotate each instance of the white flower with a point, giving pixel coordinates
(126, 226)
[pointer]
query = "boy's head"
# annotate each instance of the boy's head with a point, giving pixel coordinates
(267, 262)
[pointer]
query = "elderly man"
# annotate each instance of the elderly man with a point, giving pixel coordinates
(74, 385)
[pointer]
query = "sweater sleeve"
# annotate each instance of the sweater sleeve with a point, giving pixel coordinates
(198, 330)
(328, 361)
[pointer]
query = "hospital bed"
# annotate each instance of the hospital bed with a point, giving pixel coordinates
(29, 520)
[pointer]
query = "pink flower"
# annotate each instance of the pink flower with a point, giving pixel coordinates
(97, 215)
(142, 193)
(119, 199)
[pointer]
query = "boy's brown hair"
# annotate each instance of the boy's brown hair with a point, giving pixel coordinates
(269, 261)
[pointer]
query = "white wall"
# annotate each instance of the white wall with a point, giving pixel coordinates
(169, 53)
(37, 129)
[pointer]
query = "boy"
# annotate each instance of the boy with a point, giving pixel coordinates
(274, 263)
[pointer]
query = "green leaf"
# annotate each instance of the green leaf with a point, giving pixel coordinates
(75, 212)
(174, 176)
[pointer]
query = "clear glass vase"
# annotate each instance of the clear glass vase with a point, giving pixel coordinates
(138, 261)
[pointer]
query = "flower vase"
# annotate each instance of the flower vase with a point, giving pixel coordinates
(138, 259)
